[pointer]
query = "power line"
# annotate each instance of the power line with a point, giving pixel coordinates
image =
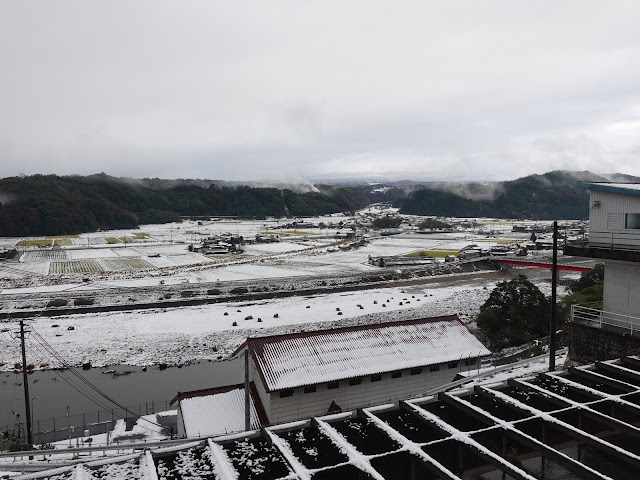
(70, 369)
(70, 381)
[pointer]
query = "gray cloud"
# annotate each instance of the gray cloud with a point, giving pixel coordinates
(296, 90)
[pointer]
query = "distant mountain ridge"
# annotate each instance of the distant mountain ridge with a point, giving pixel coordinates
(55, 205)
(553, 195)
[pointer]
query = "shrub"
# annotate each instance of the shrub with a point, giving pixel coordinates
(57, 302)
(515, 313)
(83, 301)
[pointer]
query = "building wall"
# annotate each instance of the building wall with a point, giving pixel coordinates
(607, 221)
(622, 288)
(181, 432)
(254, 376)
(349, 397)
(591, 344)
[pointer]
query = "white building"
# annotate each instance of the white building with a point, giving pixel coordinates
(312, 373)
(614, 237)
(216, 411)
(307, 374)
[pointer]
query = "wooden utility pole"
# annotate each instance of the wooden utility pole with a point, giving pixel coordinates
(27, 408)
(554, 284)
(247, 394)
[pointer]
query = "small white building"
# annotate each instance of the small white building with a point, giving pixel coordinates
(216, 411)
(312, 373)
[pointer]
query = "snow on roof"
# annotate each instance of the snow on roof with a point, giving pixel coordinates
(217, 411)
(288, 361)
(620, 188)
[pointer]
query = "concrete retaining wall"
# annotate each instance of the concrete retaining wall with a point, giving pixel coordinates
(590, 344)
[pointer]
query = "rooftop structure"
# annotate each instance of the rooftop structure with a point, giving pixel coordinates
(577, 424)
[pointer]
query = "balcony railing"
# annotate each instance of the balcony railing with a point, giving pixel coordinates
(613, 240)
(593, 315)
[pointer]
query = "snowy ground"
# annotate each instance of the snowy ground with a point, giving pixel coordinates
(187, 334)
(161, 250)
(183, 335)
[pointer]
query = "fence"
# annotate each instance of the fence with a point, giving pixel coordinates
(73, 426)
(615, 240)
(592, 314)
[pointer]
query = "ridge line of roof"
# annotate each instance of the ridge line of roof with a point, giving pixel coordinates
(349, 328)
(610, 187)
(203, 392)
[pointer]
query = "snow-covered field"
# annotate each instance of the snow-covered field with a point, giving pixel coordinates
(162, 250)
(188, 334)
(143, 262)
(182, 335)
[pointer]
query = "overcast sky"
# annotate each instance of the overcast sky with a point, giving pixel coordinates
(299, 90)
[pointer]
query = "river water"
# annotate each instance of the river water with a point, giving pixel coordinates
(140, 389)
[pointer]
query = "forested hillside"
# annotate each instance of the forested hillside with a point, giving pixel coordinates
(553, 195)
(54, 205)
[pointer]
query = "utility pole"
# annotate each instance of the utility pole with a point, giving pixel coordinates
(247, 397)
(27, 408)
(554, 284)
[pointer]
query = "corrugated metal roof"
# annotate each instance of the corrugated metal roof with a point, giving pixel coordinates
(217, 413)
(288, 361)
(611, 187)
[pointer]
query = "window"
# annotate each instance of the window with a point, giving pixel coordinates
(310, 389)
(470, 362)
(376, 378)
(416, 371)
(396, 374)
(632, 221)
(452, 364)
(355, 381)
(332, 385)
(434, 368)
(286, 393)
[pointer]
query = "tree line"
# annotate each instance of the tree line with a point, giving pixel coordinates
(57, 205)
(551, 196)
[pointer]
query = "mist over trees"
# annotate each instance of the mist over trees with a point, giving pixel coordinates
(552, 196)
(54, 205)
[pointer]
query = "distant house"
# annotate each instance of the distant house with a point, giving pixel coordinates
(300, 375)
